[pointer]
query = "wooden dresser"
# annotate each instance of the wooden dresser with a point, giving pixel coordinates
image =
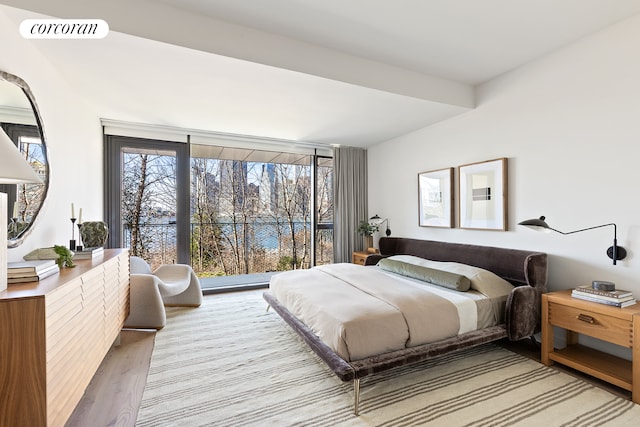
(55, 333)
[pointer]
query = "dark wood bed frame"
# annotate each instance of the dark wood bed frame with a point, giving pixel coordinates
(526, 270)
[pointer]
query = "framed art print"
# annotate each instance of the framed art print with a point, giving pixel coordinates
(435, 191)
(483, 195)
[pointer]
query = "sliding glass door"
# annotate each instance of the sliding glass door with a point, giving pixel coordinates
(146, 209)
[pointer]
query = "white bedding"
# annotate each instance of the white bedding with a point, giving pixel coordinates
(363, 311)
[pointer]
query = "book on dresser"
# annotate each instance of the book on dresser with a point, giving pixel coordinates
(617, 298)
(88, 253)
(30, 271)
(33, 277)
(32, 266)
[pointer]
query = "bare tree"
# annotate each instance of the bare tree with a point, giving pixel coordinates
(134, 198)
(294, 207)
(324, 206)
(206, 244)
(149, 195)
(238, 202)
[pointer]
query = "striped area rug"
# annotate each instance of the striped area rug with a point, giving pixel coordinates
(232, 363)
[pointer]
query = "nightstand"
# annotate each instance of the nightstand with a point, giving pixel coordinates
(359, 257)
(615, 325)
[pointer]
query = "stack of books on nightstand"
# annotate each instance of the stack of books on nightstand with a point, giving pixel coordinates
(616, 298)
(31, 271)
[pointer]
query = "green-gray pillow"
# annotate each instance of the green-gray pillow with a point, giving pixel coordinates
(446, 279)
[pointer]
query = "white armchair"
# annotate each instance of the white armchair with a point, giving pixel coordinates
(151, 291)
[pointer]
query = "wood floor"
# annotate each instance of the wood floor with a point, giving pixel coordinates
(114, 395)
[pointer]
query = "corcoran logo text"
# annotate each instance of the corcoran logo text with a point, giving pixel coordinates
(64, 28)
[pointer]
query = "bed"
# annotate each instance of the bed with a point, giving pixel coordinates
(361, 320)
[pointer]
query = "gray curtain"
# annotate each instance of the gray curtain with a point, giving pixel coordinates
(350, 200)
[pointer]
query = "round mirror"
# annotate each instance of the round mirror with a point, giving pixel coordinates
(20, 120)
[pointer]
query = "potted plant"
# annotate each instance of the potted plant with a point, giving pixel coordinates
(367, 229)
(65, 258)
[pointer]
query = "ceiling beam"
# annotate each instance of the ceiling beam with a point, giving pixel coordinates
(157, 21)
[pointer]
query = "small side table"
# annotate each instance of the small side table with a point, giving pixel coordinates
(615, 325)
(359, 257)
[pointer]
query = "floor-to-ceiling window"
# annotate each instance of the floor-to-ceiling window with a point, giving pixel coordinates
(258, 211)
(248, 212)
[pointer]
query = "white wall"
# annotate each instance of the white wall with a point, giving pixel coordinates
(74, 140)
(570, 125)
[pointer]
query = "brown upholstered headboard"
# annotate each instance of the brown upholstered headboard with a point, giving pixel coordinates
(517, 266)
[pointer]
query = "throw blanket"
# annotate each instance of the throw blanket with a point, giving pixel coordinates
(362, 311)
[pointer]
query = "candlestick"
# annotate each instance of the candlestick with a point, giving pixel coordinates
(79, 244)
(72, 242)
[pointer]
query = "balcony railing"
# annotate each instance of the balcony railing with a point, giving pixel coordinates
(225, 248)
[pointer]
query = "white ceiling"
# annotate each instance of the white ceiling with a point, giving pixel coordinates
(469, 41)
(353, 72)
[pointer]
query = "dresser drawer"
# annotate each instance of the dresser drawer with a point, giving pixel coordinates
(597, 325)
